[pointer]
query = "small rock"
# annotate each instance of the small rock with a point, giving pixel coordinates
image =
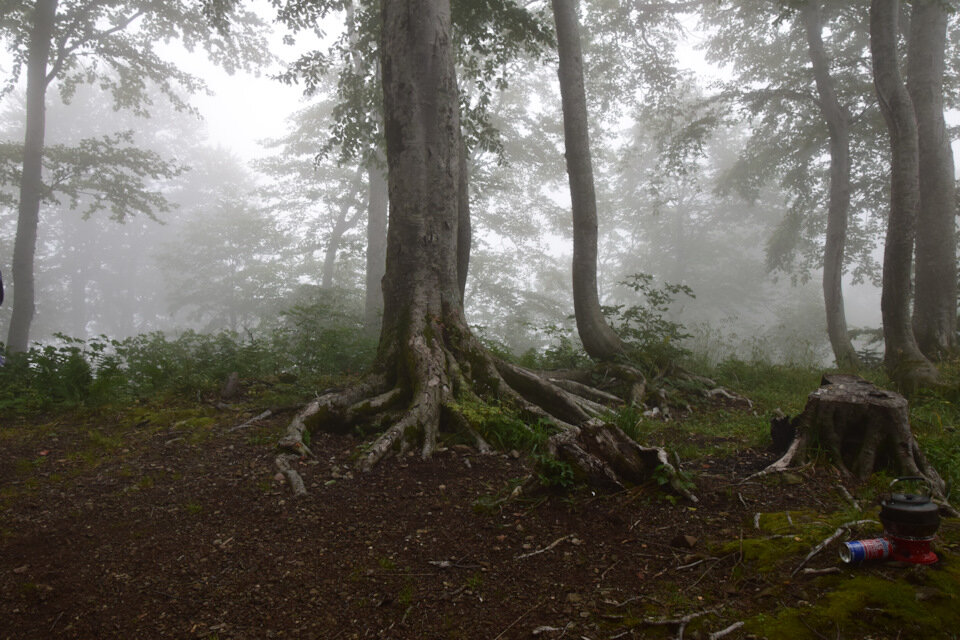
(574, 597)
(684, 541)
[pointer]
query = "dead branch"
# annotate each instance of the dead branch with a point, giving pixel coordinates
(545, 549)
(716, 635)
(836, 534)
(846, 494)
(682, 622)
(257, 418)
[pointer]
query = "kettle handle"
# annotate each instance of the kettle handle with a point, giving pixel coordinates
(920, 478)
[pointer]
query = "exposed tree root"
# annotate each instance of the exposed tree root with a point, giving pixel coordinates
(411, 408)
(283, 462)
(604, 455)
(863, 429)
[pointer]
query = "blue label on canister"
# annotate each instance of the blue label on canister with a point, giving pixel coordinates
(860, 550)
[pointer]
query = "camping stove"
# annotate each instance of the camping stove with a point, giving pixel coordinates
(910, 522)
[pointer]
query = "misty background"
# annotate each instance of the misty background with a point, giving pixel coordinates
(252, 207)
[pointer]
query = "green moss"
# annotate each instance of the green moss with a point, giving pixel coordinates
(105, 442)
(925, 606)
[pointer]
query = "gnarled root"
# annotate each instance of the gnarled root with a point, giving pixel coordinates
(423, 395)
(604, 456)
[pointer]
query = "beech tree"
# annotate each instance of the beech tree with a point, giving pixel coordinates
(837, 118)
(599, 340)
(72, 42)
(935, 276)
(903, 359)
(815, 130)
(429, 365)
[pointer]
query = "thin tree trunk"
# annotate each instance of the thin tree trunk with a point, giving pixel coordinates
(31, 180)
(902, 357)
(599, 340)
(344, 223)
(935, 297)
(376, 246)
(839, 207)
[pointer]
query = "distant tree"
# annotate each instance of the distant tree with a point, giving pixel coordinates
(837, 119)
(322, 198)
(814, 130)
(71, 42)
(903, 359)
(244, 257)
(599, 340)
(935, 284)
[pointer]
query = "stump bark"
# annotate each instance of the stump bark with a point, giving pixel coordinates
(862, 427)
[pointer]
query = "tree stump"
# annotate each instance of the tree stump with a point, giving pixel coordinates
(862, 427)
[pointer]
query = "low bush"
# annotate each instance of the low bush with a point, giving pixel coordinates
(312, 340)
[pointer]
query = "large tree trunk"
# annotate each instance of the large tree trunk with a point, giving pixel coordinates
(839, 207)
(31, 180)
(599, 340)
(902, 357)
(464, 228)
(429, 365)
(935, 297)
(376, 246)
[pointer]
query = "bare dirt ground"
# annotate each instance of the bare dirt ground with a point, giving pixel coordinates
(181, 530)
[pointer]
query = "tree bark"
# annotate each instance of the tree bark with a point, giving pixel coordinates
(863, 428)
(429, 366)
(902, 357)
(837, 120)
(376, 246)
(464, 228)
(935, 296)
(31, 180)
(599, 340)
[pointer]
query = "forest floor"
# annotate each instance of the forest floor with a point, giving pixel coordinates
(158, 521)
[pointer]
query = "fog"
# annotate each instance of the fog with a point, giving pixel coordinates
(249, 211)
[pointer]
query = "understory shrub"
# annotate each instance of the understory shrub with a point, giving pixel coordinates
(651, 337)
(313, 340)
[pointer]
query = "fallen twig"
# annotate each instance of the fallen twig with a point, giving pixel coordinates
(820, 572)
(545, 549)
(265, 414)
(836, 534)
(693, 564)
(522, 616)
(846, 494)
(723, 632)
(703, 575)
(682, 622)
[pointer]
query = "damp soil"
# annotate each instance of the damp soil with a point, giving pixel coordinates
(183, 531)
